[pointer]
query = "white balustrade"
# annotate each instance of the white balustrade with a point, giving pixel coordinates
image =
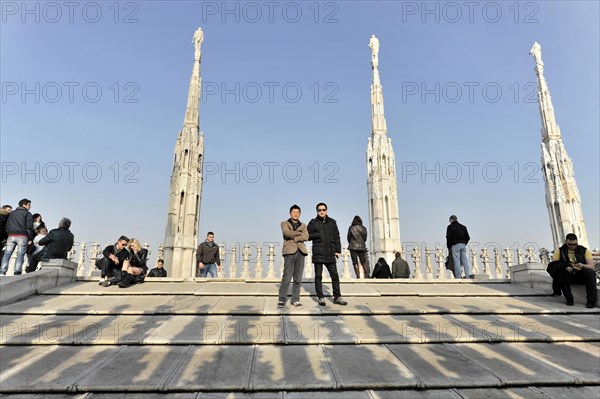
(86, 255)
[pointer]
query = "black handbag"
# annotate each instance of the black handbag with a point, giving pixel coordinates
(449, 263)
(554, 267)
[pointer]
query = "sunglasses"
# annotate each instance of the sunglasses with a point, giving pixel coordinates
(321, 210)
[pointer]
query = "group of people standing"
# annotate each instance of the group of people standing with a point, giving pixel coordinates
(28, 235)
(326, 249)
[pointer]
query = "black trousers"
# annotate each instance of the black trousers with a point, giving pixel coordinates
(335, 279)
(564, 279)
(33, 261)
(364, 262)
(108, 268)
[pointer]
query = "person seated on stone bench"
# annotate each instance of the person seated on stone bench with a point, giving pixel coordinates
(134, 268)
(382, 269)
(114, 257)
(577, 266)
(57, 245)
(400, 268)
(159, 270)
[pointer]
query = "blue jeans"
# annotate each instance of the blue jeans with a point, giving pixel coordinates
(209, 268)
(460, 257)
(20, 243)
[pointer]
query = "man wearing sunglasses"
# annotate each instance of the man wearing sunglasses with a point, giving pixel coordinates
(578, 268)
(326, 248)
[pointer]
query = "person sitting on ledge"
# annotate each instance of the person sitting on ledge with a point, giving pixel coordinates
(134, 268)
(159, 270)
(577, 266)
(114, 257)
(57, 245)
(400, 268)
(382, 269)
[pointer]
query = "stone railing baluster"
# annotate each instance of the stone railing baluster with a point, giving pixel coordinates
(233, 263)
(271, 262)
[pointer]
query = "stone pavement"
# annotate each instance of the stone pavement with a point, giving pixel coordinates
(217, 339)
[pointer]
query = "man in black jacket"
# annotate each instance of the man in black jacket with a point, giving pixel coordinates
(326, 248)
(19, 228)
(114, 257)
(208, 258)
(577, 266)
(57, 245)
(457, 238)
(159, 270)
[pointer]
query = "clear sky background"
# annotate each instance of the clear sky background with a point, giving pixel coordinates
(104, 159)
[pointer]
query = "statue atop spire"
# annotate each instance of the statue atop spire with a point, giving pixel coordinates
(374, 45)
(377, 115)
(536, 52)
(562, 195)
(197, 41)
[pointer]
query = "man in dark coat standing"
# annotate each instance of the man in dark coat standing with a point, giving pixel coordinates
(326, 248)
(457, 238)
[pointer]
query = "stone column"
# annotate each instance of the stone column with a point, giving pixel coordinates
(485, 260)
(258, 269)
(271, 266)
(308, 264)
(508, 259)
(160, 252)
(439, 257)
(93, 259)
(416, 255)
(530, 255)
(233, 263)
(520, 259)
(70, 255)
(428, 268)
(544, 256)
(346, 272)
(81, 262)
(497, 263)
(245, 262)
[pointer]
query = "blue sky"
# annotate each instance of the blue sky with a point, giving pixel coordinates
(93, 97)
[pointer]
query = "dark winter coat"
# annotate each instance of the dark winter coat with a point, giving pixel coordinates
(325, 238)
(57, 244)
(357, 237)
(382, 270)
(208, 252)
(20, 222)
(156, 272)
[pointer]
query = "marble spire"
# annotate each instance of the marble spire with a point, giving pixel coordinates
(384, 223)
(562, 195)
(185, 194)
